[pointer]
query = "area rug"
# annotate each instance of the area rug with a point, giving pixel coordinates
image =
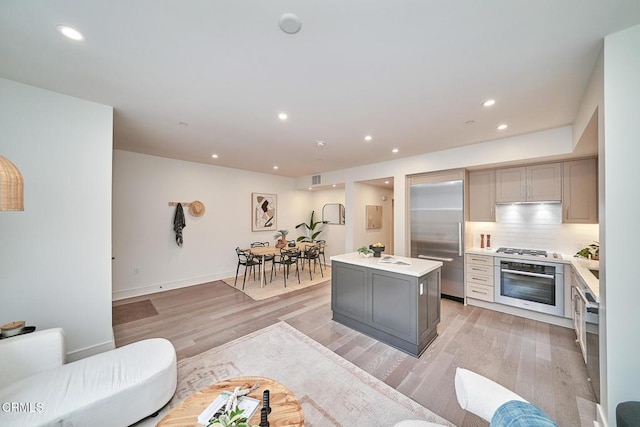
(126, 313)
(271, 289)
(332, 390)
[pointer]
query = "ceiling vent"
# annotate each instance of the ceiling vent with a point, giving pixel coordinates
(315, 180)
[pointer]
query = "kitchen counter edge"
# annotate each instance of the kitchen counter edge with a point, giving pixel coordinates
(418, 267)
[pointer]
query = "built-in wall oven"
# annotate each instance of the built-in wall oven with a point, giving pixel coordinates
(529, 284)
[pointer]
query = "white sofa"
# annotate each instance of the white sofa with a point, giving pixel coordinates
(476, 394)
(114, 388)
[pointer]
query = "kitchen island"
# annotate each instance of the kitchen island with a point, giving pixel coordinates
(396, 302)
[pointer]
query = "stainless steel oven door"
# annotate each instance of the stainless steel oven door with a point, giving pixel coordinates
(532, 285)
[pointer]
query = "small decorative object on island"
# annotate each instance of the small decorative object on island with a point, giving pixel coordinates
(377, 249)
(592, 251)
(365, 252)
(281, 236)
(482, 241)
(488, 241)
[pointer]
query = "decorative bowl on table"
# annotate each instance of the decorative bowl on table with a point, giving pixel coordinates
(377, 249)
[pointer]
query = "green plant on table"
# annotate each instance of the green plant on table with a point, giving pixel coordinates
(364, 250)
(281, 234)
(310, 229)
(233, 418)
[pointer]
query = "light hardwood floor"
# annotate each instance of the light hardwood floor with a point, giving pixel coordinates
(540, 362)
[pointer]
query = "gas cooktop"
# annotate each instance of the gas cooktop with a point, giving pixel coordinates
(527, 252)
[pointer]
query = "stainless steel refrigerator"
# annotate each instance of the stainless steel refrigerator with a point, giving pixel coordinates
(437, 229)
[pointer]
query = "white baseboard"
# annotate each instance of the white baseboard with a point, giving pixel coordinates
(528, 314)
(166, 286)
(90, 351)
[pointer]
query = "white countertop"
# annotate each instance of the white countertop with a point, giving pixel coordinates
(580, 265)
(417, 267)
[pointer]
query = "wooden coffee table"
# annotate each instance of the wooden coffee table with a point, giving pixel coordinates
(285, 407)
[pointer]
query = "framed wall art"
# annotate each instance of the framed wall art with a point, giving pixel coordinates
(264, 212)
(374, 216)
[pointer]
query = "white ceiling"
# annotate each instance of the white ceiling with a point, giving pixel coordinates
(411, 73)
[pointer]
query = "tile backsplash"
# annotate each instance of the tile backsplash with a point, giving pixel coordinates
(534, 226)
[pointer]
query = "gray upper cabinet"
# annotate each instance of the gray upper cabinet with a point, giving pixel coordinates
(538, 183)
(482, 195)
(580, 202)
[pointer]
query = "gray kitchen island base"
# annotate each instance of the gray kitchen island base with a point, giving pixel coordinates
(398, 305)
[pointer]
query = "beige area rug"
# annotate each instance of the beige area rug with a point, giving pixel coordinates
(332, 390)
(132, 311)
(272, 289)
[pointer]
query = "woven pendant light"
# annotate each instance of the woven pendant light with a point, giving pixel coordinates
(11, 187)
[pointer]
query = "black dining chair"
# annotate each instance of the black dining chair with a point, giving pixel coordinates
(286, 259)
(249, 260)
(313, 253)
(267, 258)
(321, 244)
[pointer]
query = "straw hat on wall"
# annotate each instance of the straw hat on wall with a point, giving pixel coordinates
(196, 208)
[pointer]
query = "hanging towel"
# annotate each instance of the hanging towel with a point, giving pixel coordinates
(179, 224)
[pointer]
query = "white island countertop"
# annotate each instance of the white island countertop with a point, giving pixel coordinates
(399, 264)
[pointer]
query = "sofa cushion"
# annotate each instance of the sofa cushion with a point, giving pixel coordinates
(516, 413)
(118, 387)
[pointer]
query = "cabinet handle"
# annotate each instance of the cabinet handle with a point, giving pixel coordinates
(478, 292)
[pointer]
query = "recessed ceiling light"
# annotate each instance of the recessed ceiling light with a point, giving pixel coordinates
(214, 156)
(395, 150)
(320, 144)
(386, 182)
(310, 188)
(70, 33)
(283, 116)
(488, 102)
(502, 127)
(333, 185)
(368, 138)
(275, 167)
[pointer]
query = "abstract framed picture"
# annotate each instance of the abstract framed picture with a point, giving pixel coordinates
(264, 212)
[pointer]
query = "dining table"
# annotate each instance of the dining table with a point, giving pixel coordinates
(264, 251)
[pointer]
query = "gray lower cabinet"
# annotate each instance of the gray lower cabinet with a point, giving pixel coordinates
(400, 310)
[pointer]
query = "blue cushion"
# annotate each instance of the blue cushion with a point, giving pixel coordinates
(515, 413)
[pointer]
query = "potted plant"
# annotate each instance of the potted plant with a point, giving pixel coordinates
(310, 229)
(592, 251)
(230, 418)
(365, 252)
(281, 237)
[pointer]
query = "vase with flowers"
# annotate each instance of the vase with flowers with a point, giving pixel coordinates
(281, 237)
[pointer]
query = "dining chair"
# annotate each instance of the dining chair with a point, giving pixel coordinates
(313, 253)
(247, 259)
(262, 245)
(286, 259)
(321, 244)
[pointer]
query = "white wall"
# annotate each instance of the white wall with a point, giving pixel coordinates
(366, 194)
(332, 233)
(55, 256)
(620, 224)
(147, 256)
